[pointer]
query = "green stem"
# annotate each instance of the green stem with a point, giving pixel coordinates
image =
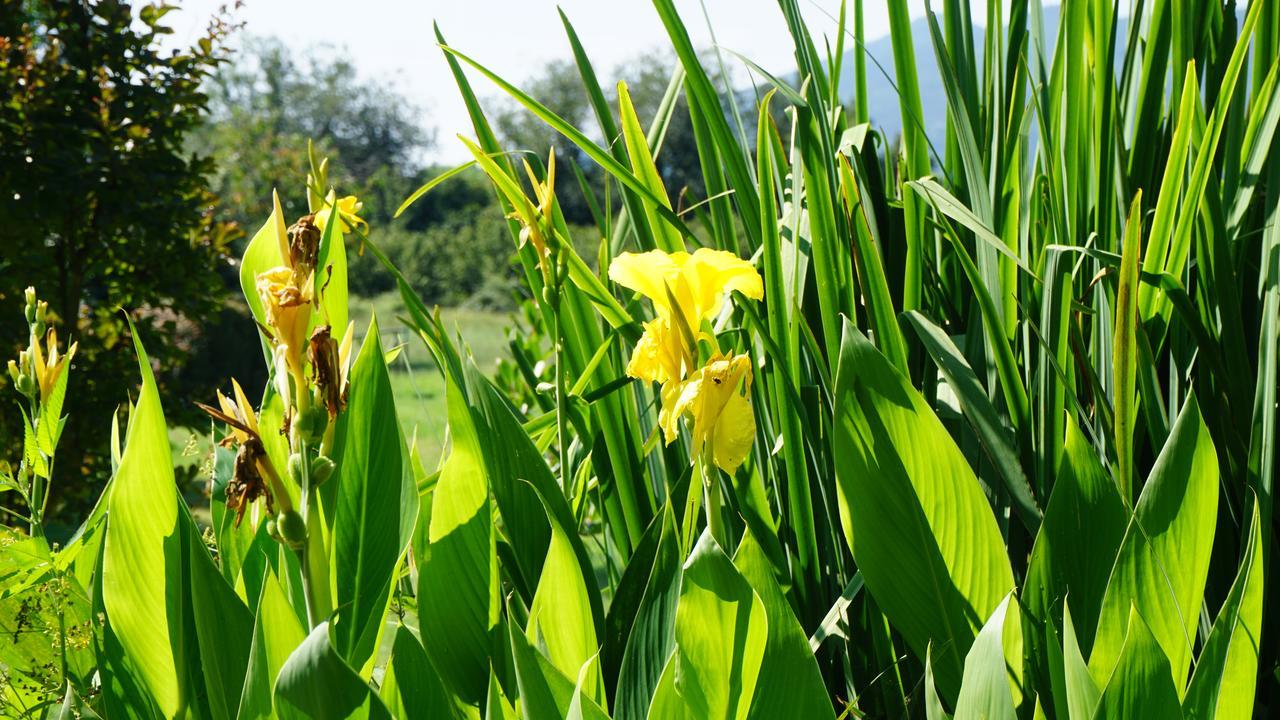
(713, 501)
(309, 587)
(562, 418)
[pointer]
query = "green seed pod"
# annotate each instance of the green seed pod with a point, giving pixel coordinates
(273, 531)
(292, 528)
(321, 469)
(312, 424)
(295, 468)
(26, 385)
(39, 327)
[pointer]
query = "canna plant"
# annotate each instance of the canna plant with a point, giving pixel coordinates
(982, 427)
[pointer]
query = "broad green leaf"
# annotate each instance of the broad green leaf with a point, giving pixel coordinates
(265, 251)
(932, 702)
(224, 628)
(544, 690)
(317, 684)
(981, 414)
(1141, 685)
(560, 618)
(416, 684)
(377, 503)
(123, 693)
(721, 631)
(144, 554)
(36, 599)
(457, 591)
(651, 635)
(984, 691)
(913, 513)
(1164, 559)
(518, 474)
(790, 683)
(276, 632)
(1078, 542)
(1082, 693)
(1225, 678)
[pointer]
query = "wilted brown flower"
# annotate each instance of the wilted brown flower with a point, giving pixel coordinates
(247, 483)
(304, 246)
(326, 366)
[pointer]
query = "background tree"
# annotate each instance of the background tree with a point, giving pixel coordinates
(101, 205)
(266, 105)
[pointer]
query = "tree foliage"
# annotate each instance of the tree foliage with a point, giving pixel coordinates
(101, 203)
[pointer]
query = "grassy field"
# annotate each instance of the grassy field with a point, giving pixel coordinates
(419, 389)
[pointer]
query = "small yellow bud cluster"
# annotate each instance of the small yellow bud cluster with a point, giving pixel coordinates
(37, 369)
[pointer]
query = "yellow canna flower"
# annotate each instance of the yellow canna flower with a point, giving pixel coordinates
(348, 214)
(288, 309)
(686, 290)
(694, 285)
(717, 397)
(48, 370)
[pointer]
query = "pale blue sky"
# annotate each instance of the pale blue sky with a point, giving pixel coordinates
(515, 38)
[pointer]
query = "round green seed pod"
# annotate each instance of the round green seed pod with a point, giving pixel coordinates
(292, 528)
(31, 314)
(295, 468)
(321, 470)
(26, 384)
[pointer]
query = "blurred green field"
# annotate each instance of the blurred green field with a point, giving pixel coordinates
(419, 389)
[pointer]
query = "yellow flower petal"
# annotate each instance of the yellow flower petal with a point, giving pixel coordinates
(713, 274)
(288, 310)
(247, 415)
(660, 354)
(735, 430)
(649, 274)
(716, 398)
(348, 206)
(668, 418)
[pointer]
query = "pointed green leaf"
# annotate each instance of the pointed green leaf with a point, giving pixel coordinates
(317, 684)
(1225, 677)
(790, 683)
(377, 503)
(1164, 560)
(143, 552)
(984, 691)
(913, 514)
(721, 631)
(1141, 686)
